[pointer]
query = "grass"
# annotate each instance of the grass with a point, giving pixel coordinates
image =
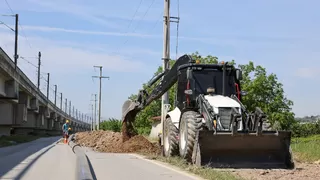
(16, 139)
(306, 149)
(204, 172)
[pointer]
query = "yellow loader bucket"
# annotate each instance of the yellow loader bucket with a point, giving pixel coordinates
(271, 149)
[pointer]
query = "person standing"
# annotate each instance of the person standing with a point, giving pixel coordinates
(65, 129)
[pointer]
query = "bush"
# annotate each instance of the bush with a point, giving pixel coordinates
(111, 125)
(304, 130)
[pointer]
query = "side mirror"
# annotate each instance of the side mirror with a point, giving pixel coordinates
(239, 74)
(244, 93)
(189, 74)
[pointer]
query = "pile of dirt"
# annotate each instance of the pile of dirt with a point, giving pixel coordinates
(111, 142)
(305, 171)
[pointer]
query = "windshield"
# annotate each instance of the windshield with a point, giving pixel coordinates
(213, 78)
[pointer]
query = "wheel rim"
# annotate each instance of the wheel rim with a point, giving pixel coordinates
(166, 141)
(183, 136)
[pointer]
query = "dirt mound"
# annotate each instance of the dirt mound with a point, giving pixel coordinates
(111, 142)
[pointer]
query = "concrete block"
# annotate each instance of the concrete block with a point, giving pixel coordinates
(24, 98)
(45, 111)
(2, 85)
(6, 114)
(22, 113)
(34, 104)
(12, 89)
(53, 116)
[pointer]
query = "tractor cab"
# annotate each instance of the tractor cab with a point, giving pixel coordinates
(208, 79)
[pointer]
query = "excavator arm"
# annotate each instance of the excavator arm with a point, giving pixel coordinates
(131, 108)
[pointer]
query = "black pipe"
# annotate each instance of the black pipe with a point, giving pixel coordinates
(155, 79)
(83, 168)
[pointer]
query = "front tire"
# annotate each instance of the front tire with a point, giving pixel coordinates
(189, 125)
(170, 142)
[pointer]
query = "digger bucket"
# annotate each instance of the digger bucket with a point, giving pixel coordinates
(129, 112)
(271, 149)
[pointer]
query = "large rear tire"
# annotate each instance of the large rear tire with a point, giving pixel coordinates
(170, 141)
(189, 125)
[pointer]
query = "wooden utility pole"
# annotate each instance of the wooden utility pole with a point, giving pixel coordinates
(66, 106)
(39, 65)
(165, 58)
(92, 126)
(100, 78)
(55, 95)
(95, 112)
(48, 85)
(16, 42)
(61, 101)
(69, 108)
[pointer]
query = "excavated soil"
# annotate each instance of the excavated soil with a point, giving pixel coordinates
(303, 171)
(112, 142)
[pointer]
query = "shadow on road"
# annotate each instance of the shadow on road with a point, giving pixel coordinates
(12, 156)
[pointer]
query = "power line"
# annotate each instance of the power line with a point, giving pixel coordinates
(134, 15)
(19, 24)
(28, 62)
(119, 48)
(1, 22)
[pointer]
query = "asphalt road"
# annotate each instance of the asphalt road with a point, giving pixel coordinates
(114, 166)
(41, 159)
(44, 159)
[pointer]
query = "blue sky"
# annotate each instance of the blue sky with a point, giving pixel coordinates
(73, 36)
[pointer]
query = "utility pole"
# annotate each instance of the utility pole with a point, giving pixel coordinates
(165, 58)
(55, 95)
(66, 106)
(48, 85)
(16, 42)
(39, 65)
(100, 77)
(69, 108)
(95, 112)
(92, 127)
(61, 101)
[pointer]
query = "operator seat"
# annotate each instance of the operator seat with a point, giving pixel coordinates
(211, 91)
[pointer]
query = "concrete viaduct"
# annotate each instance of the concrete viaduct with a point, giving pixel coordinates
(24, 109)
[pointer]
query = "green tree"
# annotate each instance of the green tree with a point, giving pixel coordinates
(111, 124)
(264, 91)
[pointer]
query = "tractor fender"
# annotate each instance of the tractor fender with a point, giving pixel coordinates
(175, 116)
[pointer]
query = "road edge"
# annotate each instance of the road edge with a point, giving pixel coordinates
(168, 166)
